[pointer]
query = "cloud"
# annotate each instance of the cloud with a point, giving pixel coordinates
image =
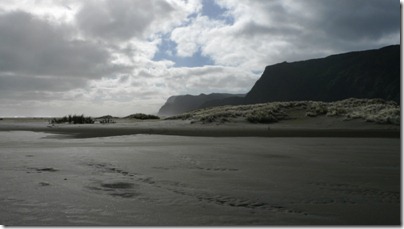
(115, 19)
(370, 19)
(55, 10)
(268, 32)
(32, 46)
(122, 20)
(208, 79)
(21, 83)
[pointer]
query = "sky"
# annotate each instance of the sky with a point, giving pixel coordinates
(119, 57)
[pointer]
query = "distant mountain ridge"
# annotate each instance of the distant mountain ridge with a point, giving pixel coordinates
(183, 103)
(360, 74)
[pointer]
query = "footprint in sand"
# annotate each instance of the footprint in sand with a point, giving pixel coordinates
(44, 184)
(46, 169)
(115, 189)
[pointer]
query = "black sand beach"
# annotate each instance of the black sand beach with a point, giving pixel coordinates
(136, 174)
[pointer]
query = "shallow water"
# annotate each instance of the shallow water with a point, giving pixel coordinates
(173, 180)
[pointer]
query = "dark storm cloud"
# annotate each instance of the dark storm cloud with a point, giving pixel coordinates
(32, 46)
(254, 29)
(359, 19)
(348, 19)
(120, 19)
(11, 82)
(298, 30)
(337, 21)
(345, 25)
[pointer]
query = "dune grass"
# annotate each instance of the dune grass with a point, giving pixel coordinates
(371, 110)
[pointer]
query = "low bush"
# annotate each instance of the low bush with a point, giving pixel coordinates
(106, 119)
(75, 119)
(142, 116)
(315, 109)
(262, 118)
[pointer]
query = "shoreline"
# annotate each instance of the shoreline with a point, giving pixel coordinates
(183, 128)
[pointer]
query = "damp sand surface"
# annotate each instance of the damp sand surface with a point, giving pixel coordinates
(160, 180)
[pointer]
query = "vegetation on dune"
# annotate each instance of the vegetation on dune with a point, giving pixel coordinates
(75, 119)
(106, 119)
(107, 116)
(81, 119)
(257, 113)
(371, 110)
(142, 116)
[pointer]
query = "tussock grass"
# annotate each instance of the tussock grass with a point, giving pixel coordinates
(371, 110)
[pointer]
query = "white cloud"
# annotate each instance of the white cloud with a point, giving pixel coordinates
(208, 79)
(54, 10)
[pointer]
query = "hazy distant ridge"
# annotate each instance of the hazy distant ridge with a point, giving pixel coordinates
(184, 103)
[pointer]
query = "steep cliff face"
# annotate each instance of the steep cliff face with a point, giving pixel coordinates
(184, 103)
(364, 74)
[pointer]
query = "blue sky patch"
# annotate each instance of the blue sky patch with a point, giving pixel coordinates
(214, 11)
(167, 48)
(167, 51)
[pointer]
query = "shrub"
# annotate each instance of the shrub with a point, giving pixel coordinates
(75, 119)
(106, 119)
(262, 117)
(142, 116)
(316, 108)
(208, 119)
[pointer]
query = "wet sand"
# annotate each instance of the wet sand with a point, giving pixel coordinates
(310, 127)
(151, 180)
